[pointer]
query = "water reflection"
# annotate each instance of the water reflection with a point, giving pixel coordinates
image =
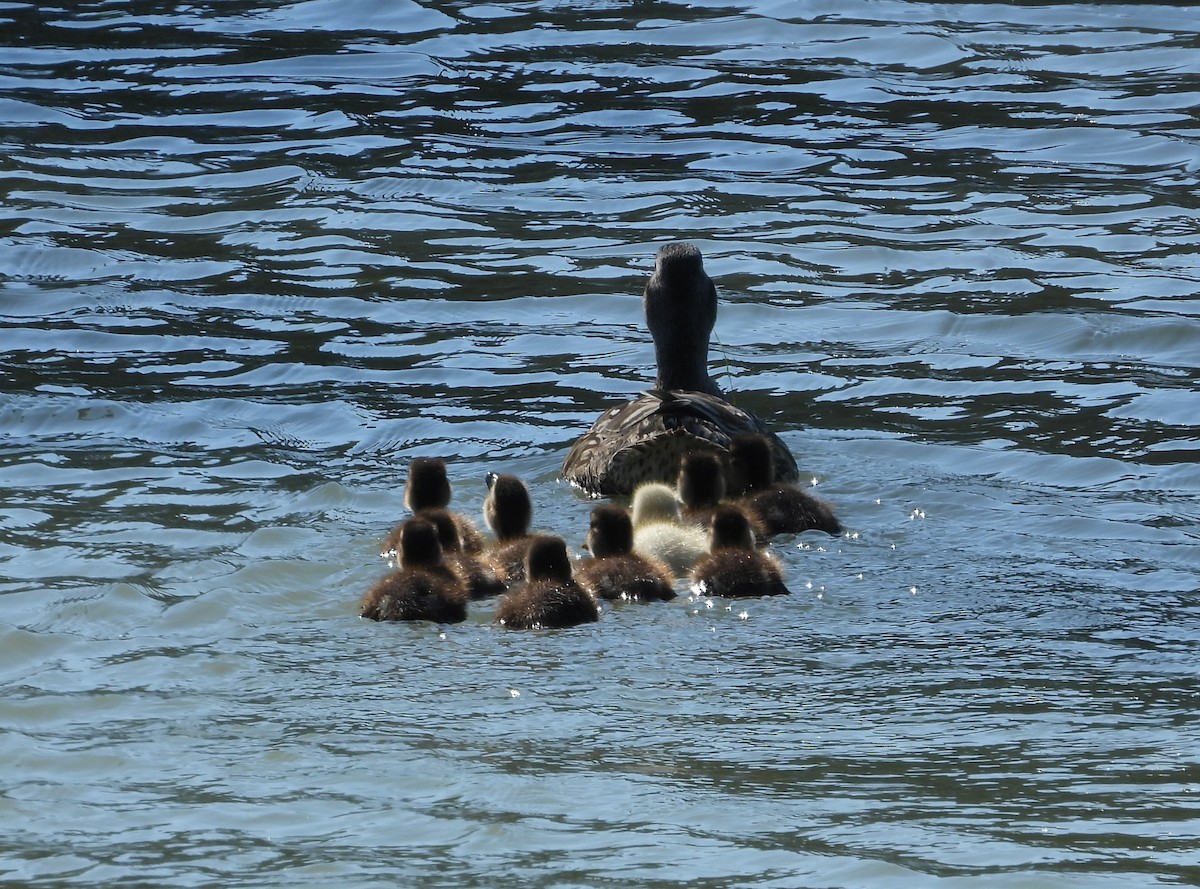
(254, 257)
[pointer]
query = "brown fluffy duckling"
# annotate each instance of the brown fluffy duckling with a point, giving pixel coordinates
(477, 575)
(643, 440)
(701, 485)
(776, 507)
(702, 491)
(734, 568)
(508, 511)
(615, 571)
(428, 487)
(423, 587)
(550, 598)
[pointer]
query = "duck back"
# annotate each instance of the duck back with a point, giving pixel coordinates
(646, 439)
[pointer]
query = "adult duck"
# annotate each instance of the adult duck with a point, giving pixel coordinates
(644, 440)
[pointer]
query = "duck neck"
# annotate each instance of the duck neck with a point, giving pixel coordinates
(683, 367)
(681, 311)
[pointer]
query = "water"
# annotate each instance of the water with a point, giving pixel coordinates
(255, 256)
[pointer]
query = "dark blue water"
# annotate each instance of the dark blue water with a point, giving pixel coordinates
(256, 256)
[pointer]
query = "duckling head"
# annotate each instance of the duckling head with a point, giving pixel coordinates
(419, 546)
(447, 530)
(751, 463)
(507, 508)
(610, 532)
(680, 301)
(730, 529)
(654, 502)
(701, 479)
(427, 486)
(547, 559)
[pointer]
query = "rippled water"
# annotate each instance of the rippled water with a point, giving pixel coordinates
(254, 256)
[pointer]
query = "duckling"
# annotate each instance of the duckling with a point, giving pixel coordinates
(701, 486)
(644, 440)
(702, 490)
(735, 568)
(551, 598)
(659, 533)
(428, 487)
(615, 571)
(508, 512)
(423, 588)
(777, 508)
(479, 577)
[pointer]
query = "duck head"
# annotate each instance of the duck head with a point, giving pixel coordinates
(681, 309)
(507, 508)
(751, 463)
(547, 559)
(419, 546)
(610, 532)
(701, 479)
(427, 486)
(447, 531)
(730, 530)
(655, 502)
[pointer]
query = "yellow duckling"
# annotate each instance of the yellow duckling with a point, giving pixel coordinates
(659, 533)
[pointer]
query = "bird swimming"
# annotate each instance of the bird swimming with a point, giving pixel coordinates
(423, 587)
(615, 571)
(508, 511)
(428, 487)
(734, 568)
(774, 507)
(659, 532)
(645, 439)
(550, 598)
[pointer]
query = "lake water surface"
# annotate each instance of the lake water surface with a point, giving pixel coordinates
(255, 256)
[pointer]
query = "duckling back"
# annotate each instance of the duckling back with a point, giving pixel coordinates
(423, 588)
(415, 594)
